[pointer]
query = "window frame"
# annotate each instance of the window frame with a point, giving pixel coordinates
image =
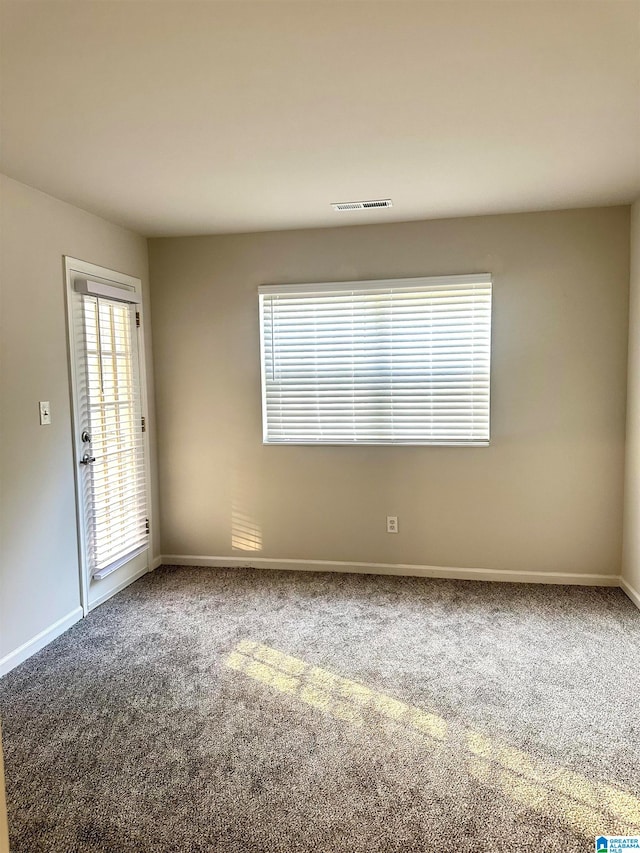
(416, 283)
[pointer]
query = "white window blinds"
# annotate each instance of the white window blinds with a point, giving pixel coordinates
(111, 415)
(405, 361)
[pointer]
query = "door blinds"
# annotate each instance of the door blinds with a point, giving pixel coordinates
(391, 362)
(114, 475)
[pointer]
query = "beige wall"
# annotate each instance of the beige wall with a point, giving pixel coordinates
(38, 550)
(545, 496)
(631, 552)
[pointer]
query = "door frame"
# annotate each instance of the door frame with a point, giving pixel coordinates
(74, 267)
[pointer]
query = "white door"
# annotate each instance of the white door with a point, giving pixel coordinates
(109, 422)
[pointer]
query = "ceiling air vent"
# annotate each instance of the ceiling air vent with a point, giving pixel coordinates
(362, 205)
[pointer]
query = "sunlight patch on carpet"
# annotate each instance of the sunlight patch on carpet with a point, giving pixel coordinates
(587, 805)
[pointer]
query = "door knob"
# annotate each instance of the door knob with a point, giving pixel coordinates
(85, 436)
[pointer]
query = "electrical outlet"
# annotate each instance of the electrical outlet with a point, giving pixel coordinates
(45, 412)
(392, 524)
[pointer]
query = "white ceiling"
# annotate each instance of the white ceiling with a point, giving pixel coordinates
(201, 117)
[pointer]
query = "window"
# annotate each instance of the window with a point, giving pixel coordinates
(405, 361)
(111, 415)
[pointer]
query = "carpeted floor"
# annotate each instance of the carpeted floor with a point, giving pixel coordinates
(267, 712)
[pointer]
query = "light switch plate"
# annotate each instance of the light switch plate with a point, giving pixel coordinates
(45, 412)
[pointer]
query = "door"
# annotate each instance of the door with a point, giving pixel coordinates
(109, 423)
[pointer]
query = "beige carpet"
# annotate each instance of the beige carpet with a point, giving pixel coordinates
(263, 712)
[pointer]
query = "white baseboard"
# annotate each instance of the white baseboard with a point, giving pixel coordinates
(633, 594)
(10, 661)
(405, 569)
(42, 639)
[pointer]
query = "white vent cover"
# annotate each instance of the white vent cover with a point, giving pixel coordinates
(362, 205)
